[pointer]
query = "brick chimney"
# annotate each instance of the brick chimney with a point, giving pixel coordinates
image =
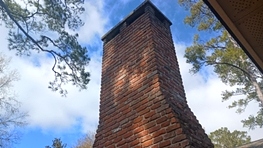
(142, 102)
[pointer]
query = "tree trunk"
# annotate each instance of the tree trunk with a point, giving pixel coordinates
(258, 91)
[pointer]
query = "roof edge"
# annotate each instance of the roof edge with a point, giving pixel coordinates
(233, 34)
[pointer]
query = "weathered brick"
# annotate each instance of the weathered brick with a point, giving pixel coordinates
(184, 143)
(165, 143)
(138, 119)
(155, 146)
(125, 146)
(117, 139)
(173, 127)
(157, 139)
(166, 123)
(142, 101)
(127, 135)
(142, 133)
(162, 119)
(179, 131)
(154, 128)
(158, 132)
(138, 129)
(121, 143)
(156, 105)
(149, 114)
(147, 143)
(145, 138)
(134, 142)
(178, 138)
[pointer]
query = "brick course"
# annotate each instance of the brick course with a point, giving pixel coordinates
(142, 102)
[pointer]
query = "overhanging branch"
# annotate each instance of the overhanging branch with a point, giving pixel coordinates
(9, 13)
(229, 64)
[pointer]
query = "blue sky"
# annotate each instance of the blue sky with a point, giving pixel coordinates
(51, 116)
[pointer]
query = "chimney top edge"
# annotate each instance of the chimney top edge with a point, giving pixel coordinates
(132, 16)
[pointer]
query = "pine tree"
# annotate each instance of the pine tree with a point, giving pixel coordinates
(45, 26)
(223, 138)
(213, 46)
(57, 143)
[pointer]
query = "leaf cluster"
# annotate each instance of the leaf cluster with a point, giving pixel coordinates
(219, 50)
(223, 138)
(44, 26)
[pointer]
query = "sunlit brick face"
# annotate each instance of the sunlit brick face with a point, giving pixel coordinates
(142, 102)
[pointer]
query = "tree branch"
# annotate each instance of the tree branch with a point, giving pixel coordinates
(9, 13)
(229, 64)
(62, 57)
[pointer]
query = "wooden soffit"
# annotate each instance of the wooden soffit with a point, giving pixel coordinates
(244, 21)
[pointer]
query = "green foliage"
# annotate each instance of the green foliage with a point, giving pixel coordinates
(253, 121)
(200, 17)
(230, 63)
(223, 138)
(57, 143)
(43, 26)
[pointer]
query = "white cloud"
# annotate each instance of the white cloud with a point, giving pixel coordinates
(48, 110)
(94, 21)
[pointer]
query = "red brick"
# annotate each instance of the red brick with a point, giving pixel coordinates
(126, 110)
(127, 135)
(121, 143)
(154, 117)
(112, 146)
(145, 138)
(142, 101)
(184, 143)
(169, 135)
(156, 105)
(173, 127)
(179, 131)
(125, 146)
(162, 119)
(165, 143)
(154, 128)
(173, 120)
(147, 143)
(121, 132)
(142, 133)
(134, 142)
(149, 114)
(159, 132)
(107, 143)
(138, 146)
(150, 124)
(138, 129)
(166, 123)
(117, 139)
(143, 110)
(178, 138)
(157, 139)
(138, 119)
(155, 146)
